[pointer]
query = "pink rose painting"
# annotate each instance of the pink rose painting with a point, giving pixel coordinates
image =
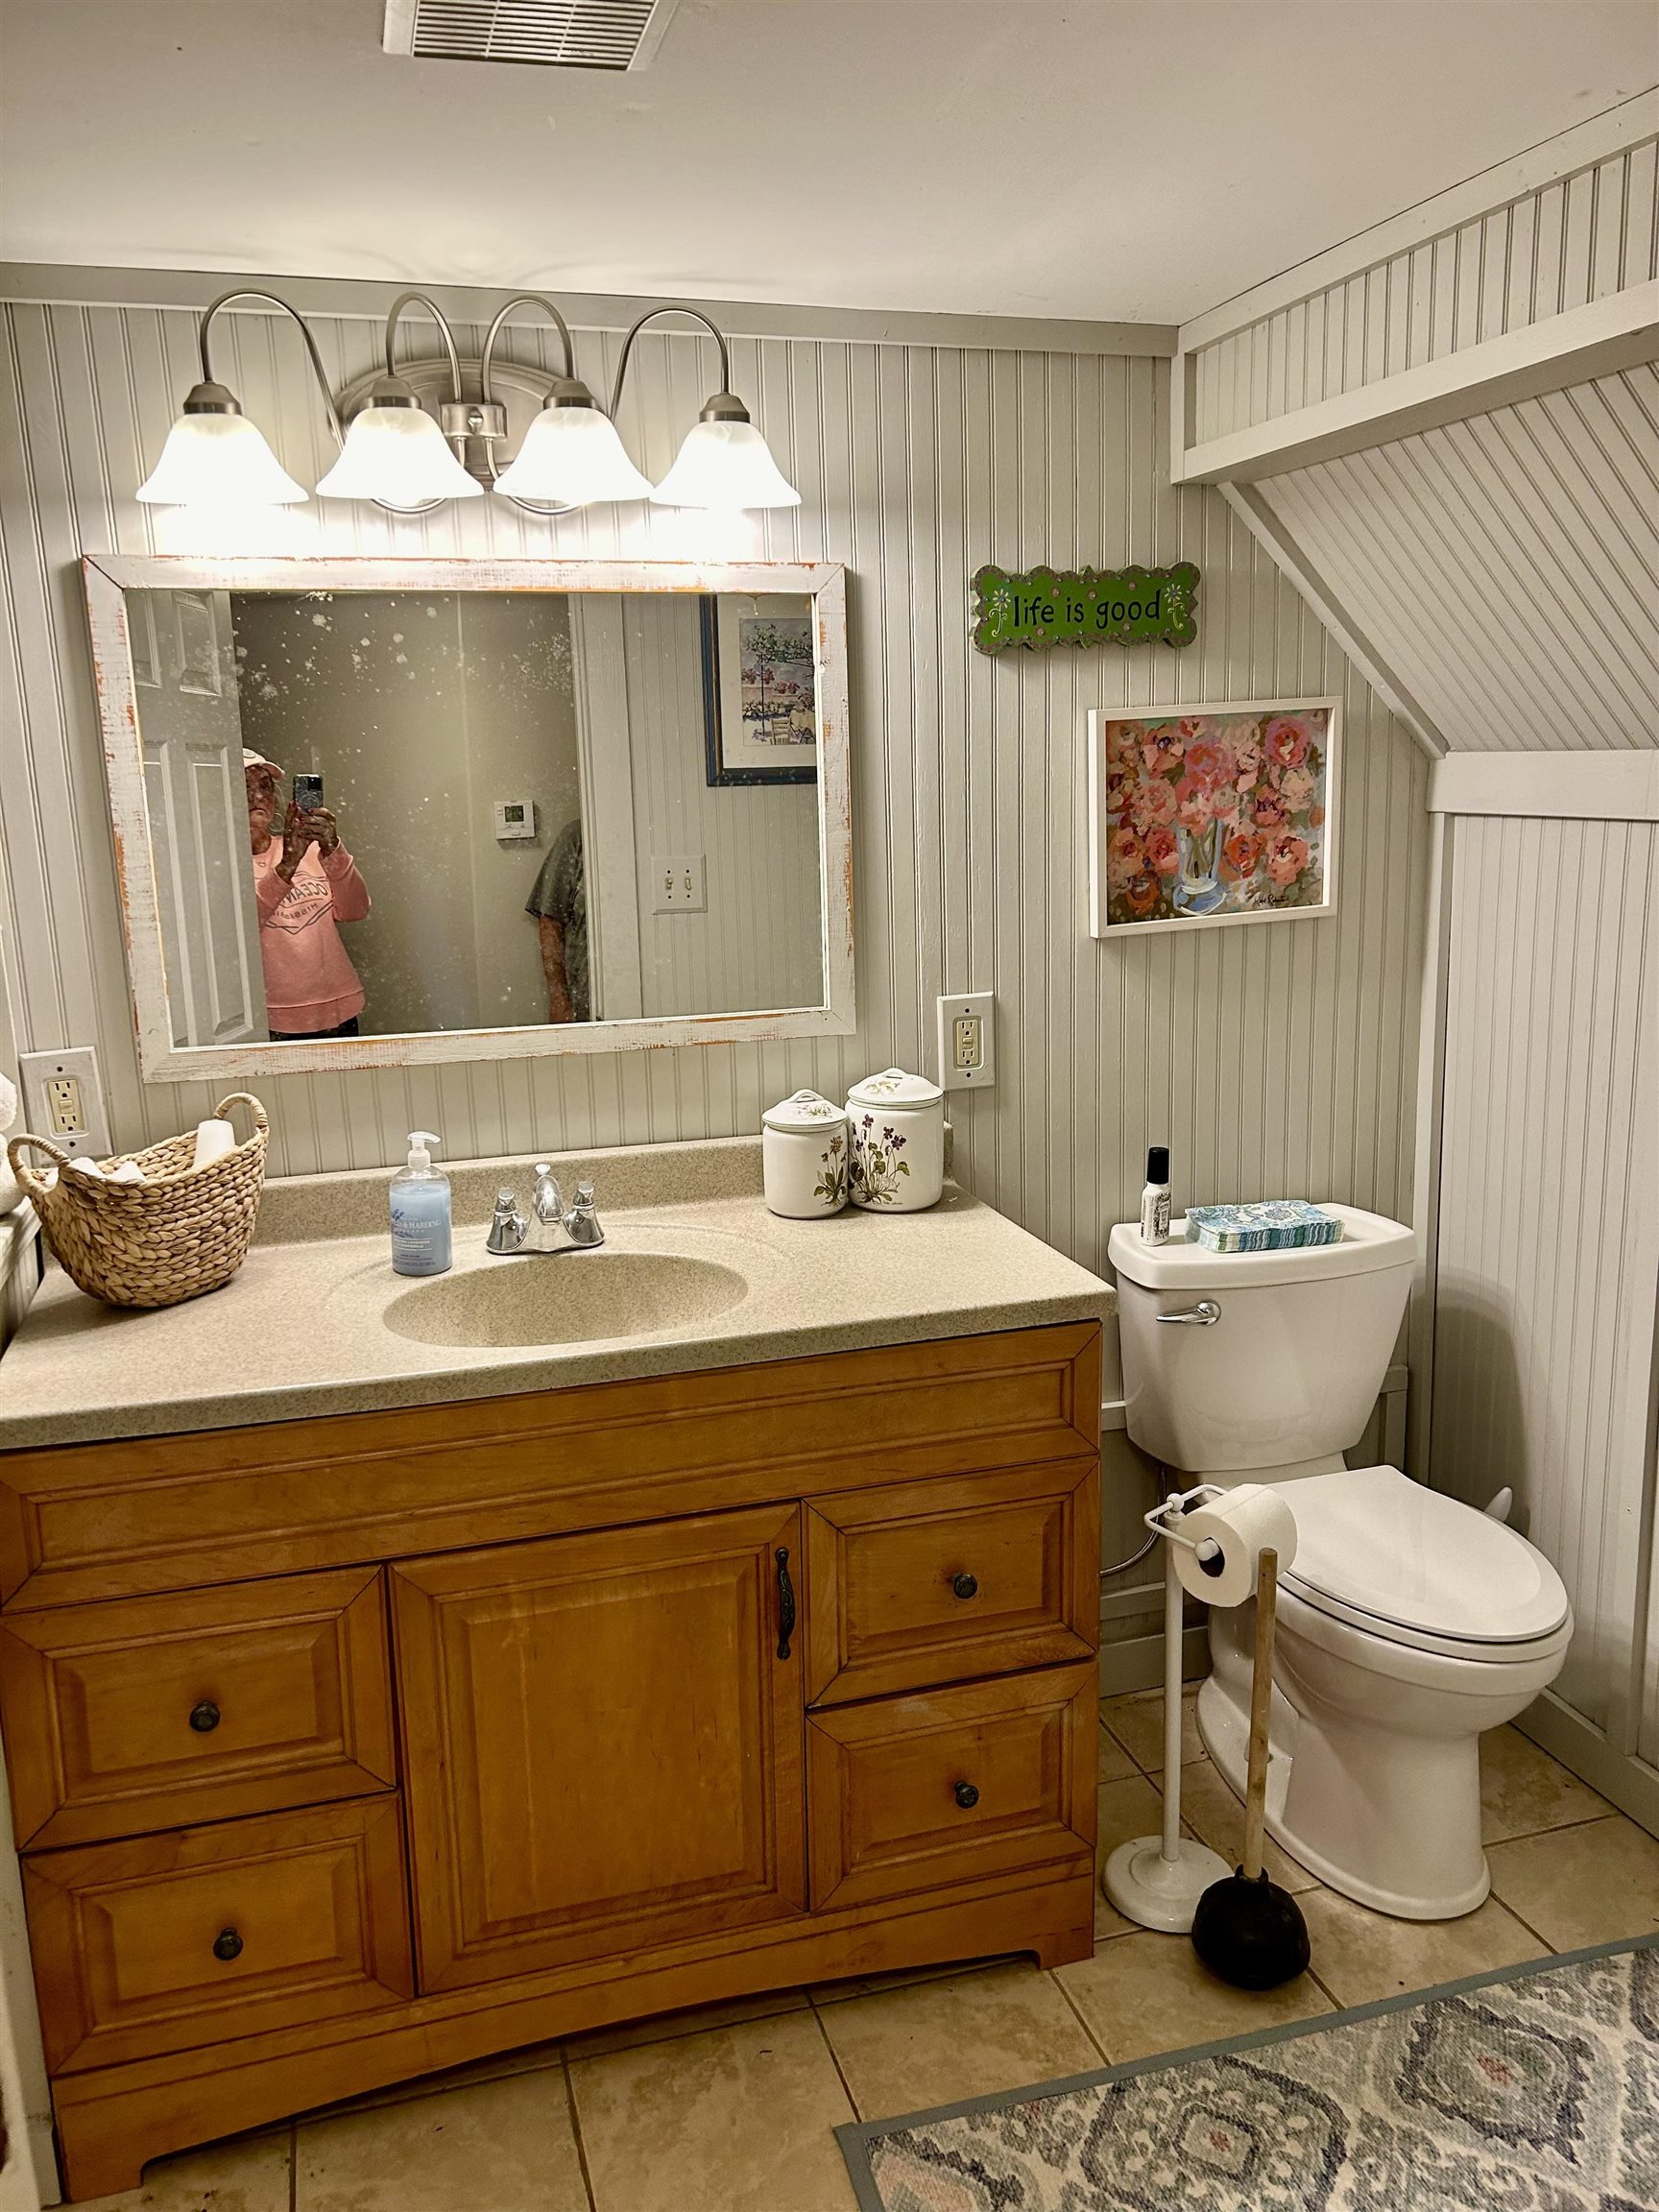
(1214, 814)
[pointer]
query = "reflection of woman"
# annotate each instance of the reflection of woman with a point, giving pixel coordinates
(305, 884)
(559, 902)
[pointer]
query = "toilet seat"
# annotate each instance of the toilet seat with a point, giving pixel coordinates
(1411, 1567)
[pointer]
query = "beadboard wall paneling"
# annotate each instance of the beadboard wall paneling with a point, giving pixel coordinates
(1272, 1060)
(1549, 1258)
(1577, 238)
(1505, 569)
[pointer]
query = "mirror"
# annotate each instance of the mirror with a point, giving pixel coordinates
(394, 811)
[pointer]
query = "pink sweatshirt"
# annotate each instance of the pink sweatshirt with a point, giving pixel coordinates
(309, 980)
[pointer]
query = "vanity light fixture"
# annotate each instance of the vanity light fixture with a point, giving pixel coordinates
(214, 455)
(723, 460)
(395, 454)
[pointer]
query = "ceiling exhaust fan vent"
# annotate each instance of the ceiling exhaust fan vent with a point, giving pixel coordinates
(557, 33)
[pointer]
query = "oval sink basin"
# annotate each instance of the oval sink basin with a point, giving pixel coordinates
(567, 1298)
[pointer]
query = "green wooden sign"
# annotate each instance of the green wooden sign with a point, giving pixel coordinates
(1041, 607)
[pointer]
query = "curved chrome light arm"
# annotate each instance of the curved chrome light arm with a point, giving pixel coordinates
(735, 411)
(420, 300)
(270, 300)
(524, 300)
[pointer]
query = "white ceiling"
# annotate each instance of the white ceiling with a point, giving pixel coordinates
(1124, 159)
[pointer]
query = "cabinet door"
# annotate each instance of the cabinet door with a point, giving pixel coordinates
(603, 1738)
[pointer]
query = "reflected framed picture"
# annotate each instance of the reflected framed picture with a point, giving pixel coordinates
(760, 690)
(1200, 815)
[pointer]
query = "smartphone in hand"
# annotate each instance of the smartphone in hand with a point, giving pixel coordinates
(308, 792)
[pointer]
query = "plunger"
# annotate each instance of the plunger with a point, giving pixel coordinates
(1246, 1929)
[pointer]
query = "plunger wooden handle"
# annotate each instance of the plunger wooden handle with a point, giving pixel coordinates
(1260, 1709)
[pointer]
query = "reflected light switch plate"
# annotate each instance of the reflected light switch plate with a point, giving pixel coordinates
(679, 884)
(966, 1032)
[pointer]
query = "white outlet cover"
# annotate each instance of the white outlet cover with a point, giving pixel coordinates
(38, 1069)
(978, 1007)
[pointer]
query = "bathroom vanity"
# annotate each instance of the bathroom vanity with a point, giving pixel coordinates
(383, 1689)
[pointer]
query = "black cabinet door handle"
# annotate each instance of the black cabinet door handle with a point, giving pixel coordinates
(785, 1603)
(227, 1944)
(204, 1717)
(967, 1796)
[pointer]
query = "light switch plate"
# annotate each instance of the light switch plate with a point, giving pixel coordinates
(63, 1099)
(681, 883)
(967, 1038)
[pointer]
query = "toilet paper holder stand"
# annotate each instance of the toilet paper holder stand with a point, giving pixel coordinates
(1158, 1880)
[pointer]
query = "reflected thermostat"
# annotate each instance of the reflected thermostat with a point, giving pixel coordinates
(514, 818)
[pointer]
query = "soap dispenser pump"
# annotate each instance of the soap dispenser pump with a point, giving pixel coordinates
(420, 1232)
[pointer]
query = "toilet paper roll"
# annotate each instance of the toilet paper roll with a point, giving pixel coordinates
(213, 1139)
(1247, 1522)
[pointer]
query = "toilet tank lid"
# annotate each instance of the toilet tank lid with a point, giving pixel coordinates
(1374, 1540)
(1368, 1241)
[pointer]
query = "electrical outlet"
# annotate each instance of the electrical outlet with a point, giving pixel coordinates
(65, 1100)
(966, 1031)
(681, 884)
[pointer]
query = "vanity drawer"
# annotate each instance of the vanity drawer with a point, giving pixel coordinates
(935, 1582)
(162, 1712)
(173, 1942)
(911, 1793)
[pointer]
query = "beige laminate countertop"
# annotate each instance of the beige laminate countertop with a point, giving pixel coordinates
(302, 1329)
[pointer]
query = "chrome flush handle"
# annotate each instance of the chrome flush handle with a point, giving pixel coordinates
(1204, 1315)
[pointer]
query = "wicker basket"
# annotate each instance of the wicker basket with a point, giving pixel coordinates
(183, 1231)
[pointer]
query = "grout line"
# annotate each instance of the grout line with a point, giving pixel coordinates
(1105, 2054)
(1557, 1828)
(293, 2165)
(853, 2103)
(576, 2129)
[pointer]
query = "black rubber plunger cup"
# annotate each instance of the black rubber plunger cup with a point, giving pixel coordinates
(1246, 1929)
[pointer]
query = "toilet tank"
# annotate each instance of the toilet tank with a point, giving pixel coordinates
(1292, 1366)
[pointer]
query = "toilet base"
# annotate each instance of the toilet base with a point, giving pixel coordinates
(1225, 1732)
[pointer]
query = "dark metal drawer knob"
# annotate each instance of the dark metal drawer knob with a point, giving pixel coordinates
(967, 1796)
(227, 1944)
(204, 1717)
(966, 1586)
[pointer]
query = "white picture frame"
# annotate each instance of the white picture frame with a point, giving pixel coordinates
(1243, 842)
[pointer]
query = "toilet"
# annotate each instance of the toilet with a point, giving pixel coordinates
(1409, 1621)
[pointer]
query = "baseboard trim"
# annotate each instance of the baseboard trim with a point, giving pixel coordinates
(1136, 1663)
(1630, 1784)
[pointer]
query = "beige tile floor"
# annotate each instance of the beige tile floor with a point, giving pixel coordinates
(731, 2109)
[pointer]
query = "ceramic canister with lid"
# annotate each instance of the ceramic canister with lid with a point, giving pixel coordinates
(803, 1156)
(898, 1131)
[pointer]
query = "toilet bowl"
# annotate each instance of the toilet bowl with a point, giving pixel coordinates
(1408, 1623)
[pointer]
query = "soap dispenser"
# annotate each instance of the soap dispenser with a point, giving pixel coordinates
(420, 1241)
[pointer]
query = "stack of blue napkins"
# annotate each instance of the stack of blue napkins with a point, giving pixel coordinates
(1270, 1225)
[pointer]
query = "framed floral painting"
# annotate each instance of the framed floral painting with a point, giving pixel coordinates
(1207, 814)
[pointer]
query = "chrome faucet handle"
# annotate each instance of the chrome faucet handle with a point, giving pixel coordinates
(582, 1222)
(508, 1228)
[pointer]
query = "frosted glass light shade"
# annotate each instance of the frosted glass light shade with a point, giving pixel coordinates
(725, 464)
(217, 461)
(398, 455)
(572, 456)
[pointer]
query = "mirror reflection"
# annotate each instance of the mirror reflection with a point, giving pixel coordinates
(383, 813)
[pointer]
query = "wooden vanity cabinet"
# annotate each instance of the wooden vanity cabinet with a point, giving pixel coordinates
(342, 1751)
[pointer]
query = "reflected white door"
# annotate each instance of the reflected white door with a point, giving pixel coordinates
(190, 725)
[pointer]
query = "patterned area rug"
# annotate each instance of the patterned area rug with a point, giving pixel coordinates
(1532, 2090)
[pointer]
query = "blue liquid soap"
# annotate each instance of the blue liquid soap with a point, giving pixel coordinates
(420, 1239)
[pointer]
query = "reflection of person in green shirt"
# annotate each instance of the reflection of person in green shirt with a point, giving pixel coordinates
(559, 905)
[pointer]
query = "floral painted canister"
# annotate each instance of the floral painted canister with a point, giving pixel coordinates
(897, 1130)
(804, 1157)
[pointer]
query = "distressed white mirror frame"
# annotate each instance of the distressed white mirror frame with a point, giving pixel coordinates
(108, 578)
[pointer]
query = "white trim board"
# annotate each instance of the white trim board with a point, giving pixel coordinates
(1599, 138)
(1594, 340)
(1564, 786)
(46, 284)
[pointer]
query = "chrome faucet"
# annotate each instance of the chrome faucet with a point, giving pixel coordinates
(548, 1226)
